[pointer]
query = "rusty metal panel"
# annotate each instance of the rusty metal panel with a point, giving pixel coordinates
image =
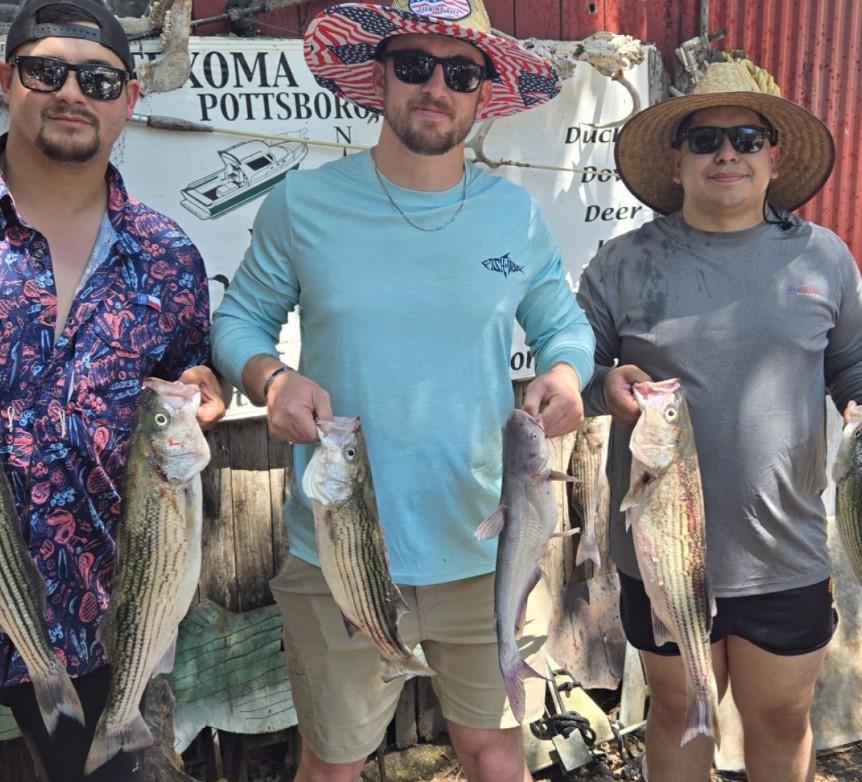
(814, 52)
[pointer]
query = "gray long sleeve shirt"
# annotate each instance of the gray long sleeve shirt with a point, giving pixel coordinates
(758, 325)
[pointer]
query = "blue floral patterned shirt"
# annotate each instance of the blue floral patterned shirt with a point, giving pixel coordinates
(67, 406)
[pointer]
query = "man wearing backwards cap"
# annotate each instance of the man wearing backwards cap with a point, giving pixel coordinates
(410, 268)
(759, 314)
(99, 292)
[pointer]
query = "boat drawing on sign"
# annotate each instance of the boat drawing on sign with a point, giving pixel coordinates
(250, 169)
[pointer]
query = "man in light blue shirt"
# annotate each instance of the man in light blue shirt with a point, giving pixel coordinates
(410, 267)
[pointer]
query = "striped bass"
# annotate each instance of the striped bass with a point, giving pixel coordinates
(664, 509)
(158, 559)
(525, 520)
(847, 473)
(22, 617)
(351, 546)
(590, 491)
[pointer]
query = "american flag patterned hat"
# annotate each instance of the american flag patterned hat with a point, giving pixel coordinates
(341, 47)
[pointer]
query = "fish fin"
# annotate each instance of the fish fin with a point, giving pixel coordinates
(514, 682)
(566, 532)
(556, 475)
(660, 632)
(411, 666)
(588, 549)
(56, 695)
(635, 494)
(701, 717)
(492, 525)
(108, 742)
(166, 664)
(352, 629)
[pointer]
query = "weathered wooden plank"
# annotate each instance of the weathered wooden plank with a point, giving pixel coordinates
(218, 581)
(406, 733)
(280, 486)
(252, 511)
(15, 761)
(429, 719)
(161, 762)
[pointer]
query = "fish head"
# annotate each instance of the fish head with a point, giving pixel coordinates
(167, 422)
(339, 465)
(848, 457)
(656, 437)
(525, 447)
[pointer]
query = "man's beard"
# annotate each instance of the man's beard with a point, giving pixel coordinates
(420, 140)
(63, 148)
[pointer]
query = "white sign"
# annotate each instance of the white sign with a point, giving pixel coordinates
(267, 115)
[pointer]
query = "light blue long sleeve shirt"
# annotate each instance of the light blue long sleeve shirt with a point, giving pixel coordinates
(411, 331)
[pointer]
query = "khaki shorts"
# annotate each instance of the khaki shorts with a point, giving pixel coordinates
(343, 704)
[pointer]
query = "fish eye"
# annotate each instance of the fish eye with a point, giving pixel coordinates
(161, 419)
(350, 453)
(670, 414)
(857, 433)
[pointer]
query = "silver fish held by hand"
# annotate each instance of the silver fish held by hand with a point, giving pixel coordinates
(525, 520)
(158, 559)
(351, 545)
(590, 492)
(22, 618)
(847, 473)
(664, 508)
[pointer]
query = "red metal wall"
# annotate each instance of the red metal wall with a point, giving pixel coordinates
(812, 48)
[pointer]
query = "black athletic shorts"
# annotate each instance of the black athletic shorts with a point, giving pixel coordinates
(792, 622)
(60, 758)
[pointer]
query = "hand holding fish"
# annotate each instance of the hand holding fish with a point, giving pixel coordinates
(212, 408)
(295, 403)
(619, 393)
(848, 411)
(558, 390)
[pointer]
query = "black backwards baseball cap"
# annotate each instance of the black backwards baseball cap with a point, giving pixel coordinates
(25, 27)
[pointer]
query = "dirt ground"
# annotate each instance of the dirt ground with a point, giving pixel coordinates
(437, 763)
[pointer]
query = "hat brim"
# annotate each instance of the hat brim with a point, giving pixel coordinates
(341, 49)
(643, 147)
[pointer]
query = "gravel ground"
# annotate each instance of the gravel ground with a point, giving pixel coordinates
(438, 763)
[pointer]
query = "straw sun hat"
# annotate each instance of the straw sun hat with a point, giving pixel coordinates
(341, 47)
(807, 149)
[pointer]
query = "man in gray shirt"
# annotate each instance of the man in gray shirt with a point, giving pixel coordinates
(759, 314)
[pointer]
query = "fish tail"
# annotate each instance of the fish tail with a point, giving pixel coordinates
(410, 666)
(513, 678)
(588, 549)
(107, 742)
(702, 717)
(56, 695)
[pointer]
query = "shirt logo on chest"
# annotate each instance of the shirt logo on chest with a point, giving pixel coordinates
(504, 265)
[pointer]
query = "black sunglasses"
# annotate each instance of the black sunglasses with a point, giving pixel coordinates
(47, 74)
(745, 139)
(459, 74)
